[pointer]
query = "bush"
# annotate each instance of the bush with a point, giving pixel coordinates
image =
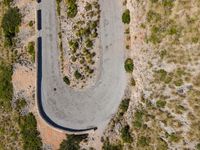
(66, 80)
(6, 87)
(125, 134)
(133, 82)
(178, 82)
(77, 75)
(124, 105)
(30, 135)
(10, 24)
(30, 23)
(143, 141)
(108, 146)
(20, 104)
(161, 103)
(153, 16)
(137, 123)
(71, 8)
(73, 44)
(72, 142)
(7, 2)
(174, 137)
(31, 50)
(126, 17)
(89, 43)
(88, 6)
(198, 146)
(129, 65)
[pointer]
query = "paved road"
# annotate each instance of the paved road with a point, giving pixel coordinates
(66, 108)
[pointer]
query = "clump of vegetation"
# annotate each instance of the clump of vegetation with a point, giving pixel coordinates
(30, 135)
(138, 119)
(7, 2)
(198, 146)
(129, 65)
(31, 23)
(153, 16)
(108, 146)
(66, 80)
(31, 50)
(72, 142)
(88, 6)
(20, 104)
(10, 24)
(6, 88)
(126, 135)
(71, 8)
(124, 106)
(126, 16)
(58, 6)
(133, 82)
(77, 75)
(143, 141)
(161, 103)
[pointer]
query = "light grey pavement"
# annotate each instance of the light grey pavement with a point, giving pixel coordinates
(93, 106)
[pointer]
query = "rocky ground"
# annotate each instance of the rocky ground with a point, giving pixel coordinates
(80, 49)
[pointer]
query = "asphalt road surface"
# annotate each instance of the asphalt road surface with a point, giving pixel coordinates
(71, 110)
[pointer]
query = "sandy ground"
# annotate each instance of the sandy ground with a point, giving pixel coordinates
(51, 138)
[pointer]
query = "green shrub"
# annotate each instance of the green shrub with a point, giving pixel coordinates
(71, 8)
(7, 2)
(30, 23)
(66, 80)
(31, 50)
(77, 75)
(30, 135)
(124, 105)
(108, 146)
(20, 104)
(161, 74)
(174, 137)
(198, 146)
(10, 24)
(178, 82)
(126, 16)
(72, 142)
(161, 103)
(73, 44)
(6, 87)
(143, 141)
(133, 82)
(138, 119)
(168, 3)
(153, 16)
(129, 65)
(88, 6)
(125, 134)
(89, 43)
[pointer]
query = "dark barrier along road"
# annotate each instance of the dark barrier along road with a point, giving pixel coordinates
(63, 107)
(39, 93)
(39, 19)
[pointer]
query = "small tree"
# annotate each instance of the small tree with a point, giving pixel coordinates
(126, 17)
(125, 134)
(129, 65)
(10, 23)
(66, 80)
(77, 75)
